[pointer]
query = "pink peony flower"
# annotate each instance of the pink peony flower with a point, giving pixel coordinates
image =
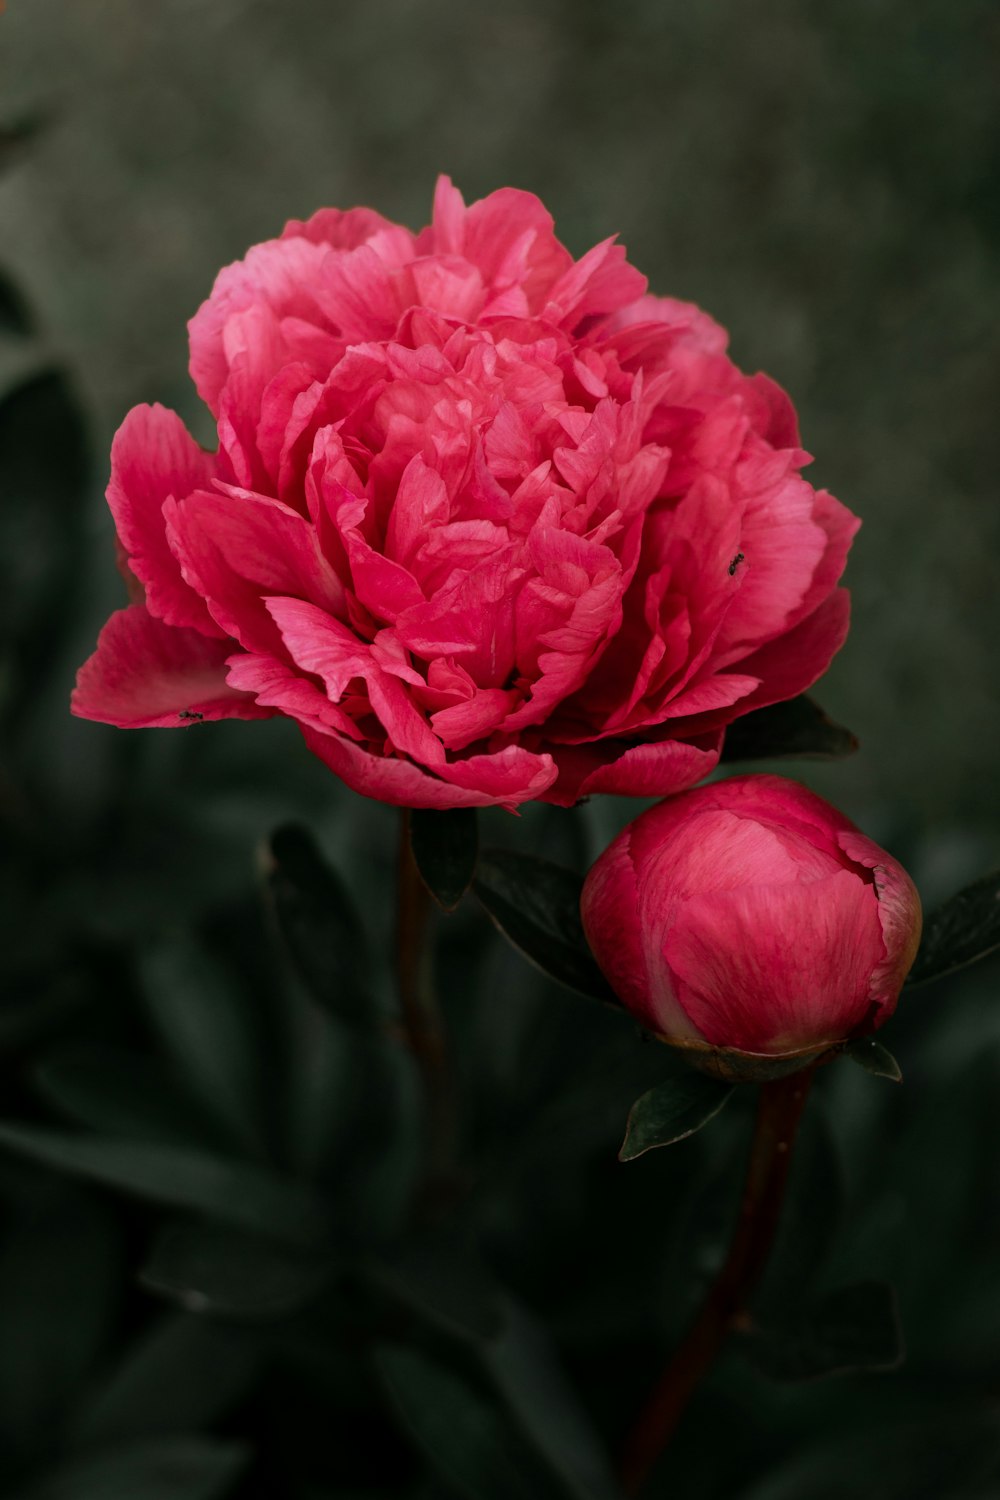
(751, 916)
(490, 523)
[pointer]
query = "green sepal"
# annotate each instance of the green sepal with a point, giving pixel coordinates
(445, 846)
(672, 1111)
(873, 1057)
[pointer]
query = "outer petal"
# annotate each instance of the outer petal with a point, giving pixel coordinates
(774, 968)
(655, 768)
(154, 457)
(280, 276)
(145, 673)
(900, 917)
(506, 779)
(610, 909)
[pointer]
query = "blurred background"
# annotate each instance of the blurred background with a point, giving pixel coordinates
(823, 178)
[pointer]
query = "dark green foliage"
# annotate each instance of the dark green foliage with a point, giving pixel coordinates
(320, 926)
(536, 905)
(792, 730)
(964, 929)
(445, 846)
(672, 1111)
(874, 1058)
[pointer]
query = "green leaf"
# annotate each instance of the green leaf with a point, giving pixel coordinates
(221, 1189)
(445, 846)
(209, 1269)
(60, 1280)
(672, 1111)
(797, 728)
(962, 930)
(321, 929)
(122, 1093)
(206, 1028)
(874, 1058)
(541, 1400)
(15, 317)
(854, 1328)
(536, 906)
(43, 473)
(440, 1276)
(175, 1468)
(467, 1439)
(182, 1374)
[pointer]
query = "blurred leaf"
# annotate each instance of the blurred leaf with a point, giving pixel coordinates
(208, 1269)
(176, 1468)
(942, 1455)
(43, 478)
(797, 728)
(536, 905)
(321, 928)
(811, 1218)
(528, 1374)
(60, 1270)
(206, 1027)
(181, 1375)
(440, 1276)
(15, 317)
(17, 134)
(874, 1058)
(122, 1093)
(672, 1111)
(466, 1438)
(445, 846)
(229, 1191)
(962, 930)
(854, 1328)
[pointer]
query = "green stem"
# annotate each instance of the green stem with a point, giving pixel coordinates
(424, 1026)
(779, 1108)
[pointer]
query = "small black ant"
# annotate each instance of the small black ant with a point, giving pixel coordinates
(188, 713)
(735, 564)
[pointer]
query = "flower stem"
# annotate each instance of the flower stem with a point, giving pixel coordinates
(424, 1026)
(780, 1106)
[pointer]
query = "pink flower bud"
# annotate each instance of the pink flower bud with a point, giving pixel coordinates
(751, 916)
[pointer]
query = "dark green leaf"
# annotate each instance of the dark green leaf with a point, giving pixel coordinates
(854, 1328)
(16, 135)
(874, 1058)
(60, 1271)
(672, 1111)
(209, 1269)
(536, 905)
(225, 1190)
(944, 1454)
(43, 477)
(965, 928)
(175, 1468)
(445, 846)
(15, 318)
(441, 1277)
(122, 1093)
(321, 928)
(526, 1371)
(797, 728)
(468, 1440)
(181, 1375)
(205, 1026)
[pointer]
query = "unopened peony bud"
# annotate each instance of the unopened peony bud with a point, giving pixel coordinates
(751, 917)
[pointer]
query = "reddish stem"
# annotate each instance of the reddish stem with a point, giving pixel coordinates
(779, 1108)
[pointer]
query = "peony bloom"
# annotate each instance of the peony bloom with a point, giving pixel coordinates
(751, 916)
(489, 523)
